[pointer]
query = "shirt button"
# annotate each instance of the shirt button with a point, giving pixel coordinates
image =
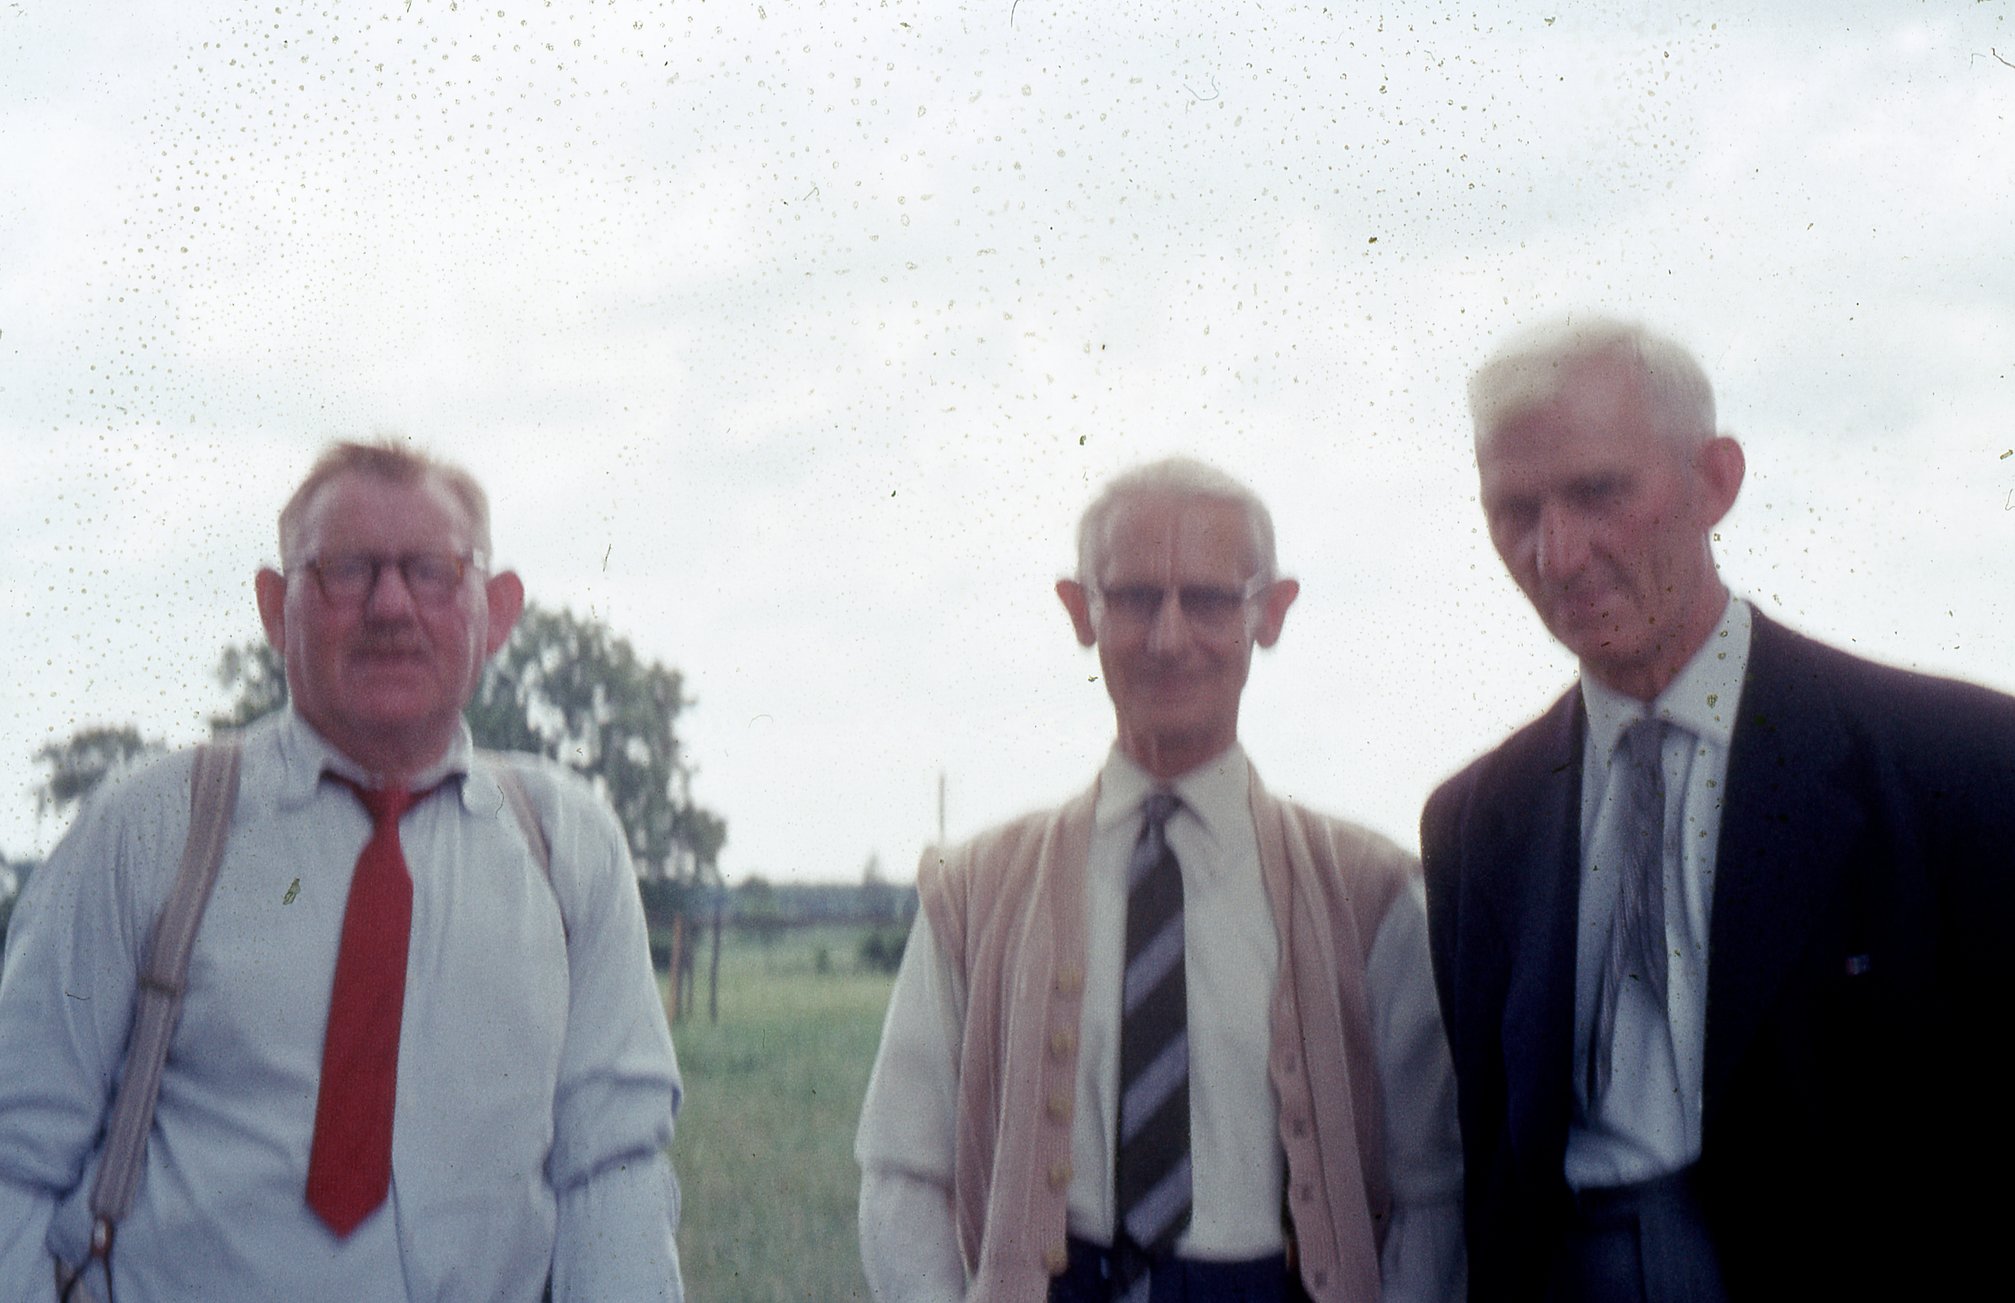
(1059, 1175)
(1070, 979)
(1059, 1106)
(1062, 1041)
(1056, 1259)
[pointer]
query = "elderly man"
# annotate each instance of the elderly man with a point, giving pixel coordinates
(1176, 1040)
(1721, 937)
(413, 1061)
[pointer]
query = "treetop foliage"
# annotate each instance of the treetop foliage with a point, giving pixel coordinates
(569, 688)
(80, 762)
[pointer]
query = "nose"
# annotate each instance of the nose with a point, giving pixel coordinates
(1562, 542)
(1169, 632)
(389, 598)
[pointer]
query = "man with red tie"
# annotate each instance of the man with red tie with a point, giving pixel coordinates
(420, 1053)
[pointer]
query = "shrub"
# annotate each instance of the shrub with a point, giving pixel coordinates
(882, 949)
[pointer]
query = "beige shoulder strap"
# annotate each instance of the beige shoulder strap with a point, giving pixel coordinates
(513, 784)
(213, 791)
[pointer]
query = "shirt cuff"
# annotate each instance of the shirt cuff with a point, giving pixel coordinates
(909, 1247)
(615, 1235)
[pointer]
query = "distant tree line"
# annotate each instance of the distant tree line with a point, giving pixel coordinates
(880, 909)
(806, 904)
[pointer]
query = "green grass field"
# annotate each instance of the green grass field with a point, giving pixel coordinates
(764, 1148)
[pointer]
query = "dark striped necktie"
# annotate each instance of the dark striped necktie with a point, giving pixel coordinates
(1151, 1172)
(1636, 951)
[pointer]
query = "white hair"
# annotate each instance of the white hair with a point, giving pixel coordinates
(1534, 367)
(1176, 477)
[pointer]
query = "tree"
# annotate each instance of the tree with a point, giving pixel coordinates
(569, 688)
(257, 679)
(878, 895)
(80, 762)
(757, 909)
(12, 879)
(562, 686)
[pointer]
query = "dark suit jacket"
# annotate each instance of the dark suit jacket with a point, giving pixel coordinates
(1858, 1002)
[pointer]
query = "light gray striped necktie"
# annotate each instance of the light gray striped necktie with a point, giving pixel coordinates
(1637, 930)
(1151, 1176)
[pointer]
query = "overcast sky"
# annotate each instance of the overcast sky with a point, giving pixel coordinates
(790, 339)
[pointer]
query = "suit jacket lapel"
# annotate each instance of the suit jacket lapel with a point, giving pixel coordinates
(1541, 842)
(1786, 832)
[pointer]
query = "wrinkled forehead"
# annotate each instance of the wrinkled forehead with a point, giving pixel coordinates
(1175, 539)
(360, 511)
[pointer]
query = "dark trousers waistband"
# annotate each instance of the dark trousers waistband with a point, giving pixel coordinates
(1089, 1279)
(1607, 1204)
(1641, 1243)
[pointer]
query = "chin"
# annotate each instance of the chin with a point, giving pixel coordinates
(398, 716)
(1591, 638)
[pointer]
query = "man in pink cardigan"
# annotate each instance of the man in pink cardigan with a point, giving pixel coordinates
(1176, 1040)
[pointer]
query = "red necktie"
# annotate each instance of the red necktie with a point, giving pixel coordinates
(350, 1163)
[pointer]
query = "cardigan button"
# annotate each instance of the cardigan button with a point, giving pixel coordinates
(1289, 1062)
(1059, 1106)
(1070, 979)
(1056, 1258)
(1304, 1192)
(1059, 1175)
(1062, 1041)
(1320, 1277)
(1298, 1127)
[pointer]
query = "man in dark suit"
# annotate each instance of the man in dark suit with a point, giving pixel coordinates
(1721, 939)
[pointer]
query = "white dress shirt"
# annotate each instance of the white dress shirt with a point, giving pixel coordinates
(1231, 960)
(1648, 1122)
(536, 1080)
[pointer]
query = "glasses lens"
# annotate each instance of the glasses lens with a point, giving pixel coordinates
(1202, 604)
(348, 580)
(345, 578)
(432, 575)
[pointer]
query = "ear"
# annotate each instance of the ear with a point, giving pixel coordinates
(1077, 600)
(1720, 465)
(1273, 601)
(270, 587)
(505, 593)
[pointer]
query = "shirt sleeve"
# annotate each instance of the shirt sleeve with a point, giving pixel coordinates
(1422, 1260)
(66, 1002)
(617, 1197)
(909, 1239)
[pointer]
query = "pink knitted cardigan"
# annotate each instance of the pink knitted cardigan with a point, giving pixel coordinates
(1008, 909)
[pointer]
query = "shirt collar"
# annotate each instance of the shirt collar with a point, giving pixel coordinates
(1700, 699)
(1217, 793)
(305, 755)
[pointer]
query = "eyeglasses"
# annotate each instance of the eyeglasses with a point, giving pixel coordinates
(433, 578)
(1204, 605)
